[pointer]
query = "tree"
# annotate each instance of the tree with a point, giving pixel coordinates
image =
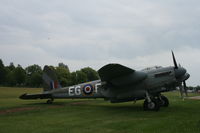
(10, 79)
(36, 80)
(78, 77)
(15, 76)
(63, 75)
(81, 77)
(8, 71)
(2, 73)
(197, 88)
(33, 69)
(34, 76)
(73, 78)
(63, 65)
(19, 75)
(91, 73)
(11, 66)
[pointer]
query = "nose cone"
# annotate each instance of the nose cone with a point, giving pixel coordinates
(187, 76)
(179, 72)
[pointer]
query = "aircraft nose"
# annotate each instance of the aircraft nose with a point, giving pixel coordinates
(179, 72)
(186, 76)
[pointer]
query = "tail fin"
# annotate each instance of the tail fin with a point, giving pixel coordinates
(50, 81)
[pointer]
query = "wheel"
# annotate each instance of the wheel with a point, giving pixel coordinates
(151, 106)
(163, 101)
(50, 101)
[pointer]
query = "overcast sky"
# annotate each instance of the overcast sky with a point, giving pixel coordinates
(82, 33)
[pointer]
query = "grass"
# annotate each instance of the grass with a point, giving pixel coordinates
(89, 116)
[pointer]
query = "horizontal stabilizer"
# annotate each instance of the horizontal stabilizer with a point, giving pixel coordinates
(35, 96)
(112, 71)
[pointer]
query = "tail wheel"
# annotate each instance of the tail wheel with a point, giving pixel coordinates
(50, 101)
(151, 106)
(164, 102)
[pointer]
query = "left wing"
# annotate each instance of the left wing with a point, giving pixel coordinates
(111, 71)
(119, 75)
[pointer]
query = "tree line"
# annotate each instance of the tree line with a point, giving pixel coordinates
(31, 76)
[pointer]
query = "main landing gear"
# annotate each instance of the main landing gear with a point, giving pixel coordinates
(50, 101)
(154, 103)
(163, 101)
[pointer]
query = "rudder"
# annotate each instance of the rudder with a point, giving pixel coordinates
(50, 80)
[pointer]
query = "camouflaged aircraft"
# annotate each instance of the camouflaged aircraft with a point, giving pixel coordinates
(120, 84)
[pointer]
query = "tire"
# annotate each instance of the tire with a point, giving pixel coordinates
(151, 106)
(164, 102)
(49, 101)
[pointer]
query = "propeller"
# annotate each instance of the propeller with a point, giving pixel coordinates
(181, 90)
(174, 59)
(185, 88)
(179, 74)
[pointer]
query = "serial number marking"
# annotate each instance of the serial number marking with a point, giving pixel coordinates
(78, 90)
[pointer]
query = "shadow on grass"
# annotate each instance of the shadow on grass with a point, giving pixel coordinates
(90, 104)
(101, 105)
(45, 104)
(101, 108)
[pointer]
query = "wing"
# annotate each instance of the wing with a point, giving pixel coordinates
(110, 71)
(119, 75)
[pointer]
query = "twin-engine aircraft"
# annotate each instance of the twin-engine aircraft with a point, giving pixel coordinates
(120, 84)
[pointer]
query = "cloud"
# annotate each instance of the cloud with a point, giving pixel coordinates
(93, 33)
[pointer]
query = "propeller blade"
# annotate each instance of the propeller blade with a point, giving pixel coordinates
(174, 59)
(185, 88)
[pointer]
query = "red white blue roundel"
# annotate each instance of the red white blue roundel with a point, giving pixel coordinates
(88, 89)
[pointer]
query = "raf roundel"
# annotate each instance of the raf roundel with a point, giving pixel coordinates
(88, 89)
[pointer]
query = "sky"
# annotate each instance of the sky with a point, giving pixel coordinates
(82, 33)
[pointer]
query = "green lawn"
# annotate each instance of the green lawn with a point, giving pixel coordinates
(94, 116)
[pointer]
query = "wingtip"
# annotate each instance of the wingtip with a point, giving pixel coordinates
(23, 96)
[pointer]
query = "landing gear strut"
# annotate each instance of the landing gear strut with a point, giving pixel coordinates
(151, 103)
(50, 101)
(154, 103)
(163, 101)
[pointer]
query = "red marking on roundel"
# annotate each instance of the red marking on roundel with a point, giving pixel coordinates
(88, 88)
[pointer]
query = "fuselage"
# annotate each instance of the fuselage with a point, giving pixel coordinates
(85, 90)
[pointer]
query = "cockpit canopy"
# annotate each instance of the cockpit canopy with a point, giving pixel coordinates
(151, 68)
